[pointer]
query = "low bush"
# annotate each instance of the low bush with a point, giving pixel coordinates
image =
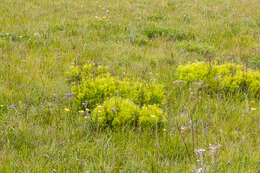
(151, 116)
(115, 102)
(227, 77)
(118, 111)
(146, 93)
(97, 85)
(115, 112)
(97, 90)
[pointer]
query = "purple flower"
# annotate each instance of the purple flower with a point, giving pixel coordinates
(69, 95)
(179, 82)
(217, 77)
(198, 83)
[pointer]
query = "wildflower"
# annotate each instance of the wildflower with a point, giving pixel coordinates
(66, 109)
(85, 104)
(124, 73)
(87, 110)
(253, 109)
(198, 83)
(214, 148)
(228, 163)
(199, 170)
(81, 112)
(199, 151)
(217, 77)
(183, 129)
(113, 109)
(164, 130)
(69, 95)
(179, 82)
(1, 106)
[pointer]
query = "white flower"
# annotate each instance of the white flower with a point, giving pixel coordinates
(199, 170)
(200, 150)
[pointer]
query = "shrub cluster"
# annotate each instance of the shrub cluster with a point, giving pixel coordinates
(114, 101)
(118, 111)
(227, 77)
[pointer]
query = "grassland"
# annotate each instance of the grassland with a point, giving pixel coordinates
(39, 40)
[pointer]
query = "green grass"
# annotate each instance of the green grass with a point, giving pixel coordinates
(39, 40)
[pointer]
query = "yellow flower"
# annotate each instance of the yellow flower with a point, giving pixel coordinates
(1, 106)
(66, 109)
(153, 116)
(253, 109)
(81, 112)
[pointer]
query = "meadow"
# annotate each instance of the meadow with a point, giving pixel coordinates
(42, 131)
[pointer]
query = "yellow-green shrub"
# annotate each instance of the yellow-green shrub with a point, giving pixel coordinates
(227, 77)
(115, 112)
(146, 93)
(242, 81)
(77, 73)
(113, 101)
(118, 111)
(95, 85)
(99, 89)
(96, 91)
(150, 116)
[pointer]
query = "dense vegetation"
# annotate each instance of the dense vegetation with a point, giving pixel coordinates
(129, 86)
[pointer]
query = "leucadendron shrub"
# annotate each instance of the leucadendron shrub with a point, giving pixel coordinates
(228, 77)
(117, 111)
